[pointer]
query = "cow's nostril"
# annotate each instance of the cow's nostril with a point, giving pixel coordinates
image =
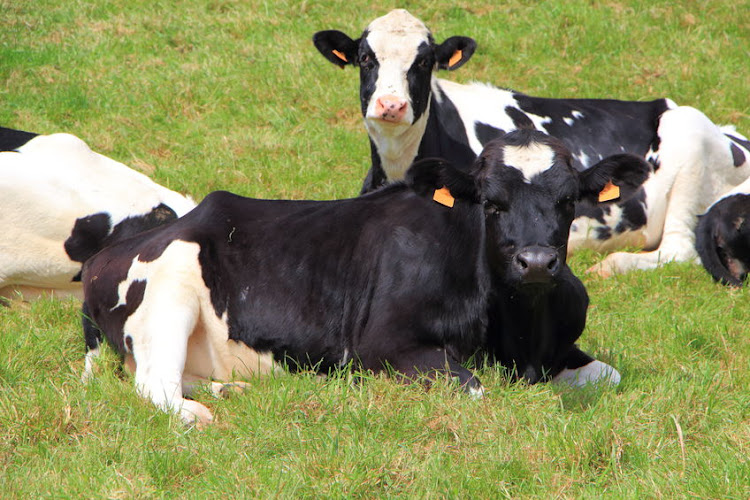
(552, 263)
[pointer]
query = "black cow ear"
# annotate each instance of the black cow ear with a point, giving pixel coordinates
(430, 174)
(615, 178)
(454, 52)
(337, 47)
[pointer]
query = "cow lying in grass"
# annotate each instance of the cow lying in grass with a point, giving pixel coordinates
(411, 114)
(60, 204)
(411, 277)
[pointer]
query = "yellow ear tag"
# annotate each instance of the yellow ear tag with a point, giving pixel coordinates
(340, 55)
(457, 55)
(610, 192)
(444, 197)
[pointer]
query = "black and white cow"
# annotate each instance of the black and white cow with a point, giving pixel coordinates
(60, 203)
(406, 277)
(410, 114)
(722, 237)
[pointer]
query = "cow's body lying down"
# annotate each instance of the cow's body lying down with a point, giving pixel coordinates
(60, 203)
(391, 279)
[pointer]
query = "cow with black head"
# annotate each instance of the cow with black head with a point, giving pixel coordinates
(417, 276)
(411, 114)
(722, 237)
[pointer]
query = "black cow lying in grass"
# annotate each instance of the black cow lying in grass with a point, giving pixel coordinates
(411, 277)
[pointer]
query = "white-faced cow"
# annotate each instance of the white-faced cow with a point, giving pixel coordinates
(410, 114)
(407, 277)
(60, 203)
(722, 237)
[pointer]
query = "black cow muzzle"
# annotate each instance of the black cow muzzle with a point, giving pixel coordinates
(536, 264)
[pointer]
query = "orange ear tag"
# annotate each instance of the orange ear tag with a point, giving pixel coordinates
(340, 55)
(444, 197)
(610, 192)
(457, 55)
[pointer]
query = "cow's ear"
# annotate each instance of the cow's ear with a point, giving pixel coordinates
(337, 47)
(615, 178)
(454, 52)
(429, 174)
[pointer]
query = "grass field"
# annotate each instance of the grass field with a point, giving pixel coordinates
(223, 94)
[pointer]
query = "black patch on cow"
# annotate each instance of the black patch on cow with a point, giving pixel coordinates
(485, 133)
(606, 127)
(87, 237)
(11, 139)
(738, 157)
(419, 77)
(91, 333)
(633, 213)
(368, 73)
(445, 136)
(520, 120)
(595, 211)
(92, 233)
(741, 142)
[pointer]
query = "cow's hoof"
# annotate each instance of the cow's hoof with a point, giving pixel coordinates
(222, 390)
(194, 413)
(604, 269)
(596, 372)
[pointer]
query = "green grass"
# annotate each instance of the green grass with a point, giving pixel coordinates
(222, 94)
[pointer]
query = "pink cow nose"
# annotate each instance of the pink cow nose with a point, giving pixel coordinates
(391, 108)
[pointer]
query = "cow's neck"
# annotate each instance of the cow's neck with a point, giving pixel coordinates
(396, 152)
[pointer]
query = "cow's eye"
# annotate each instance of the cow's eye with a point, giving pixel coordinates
(365, 61)
(492, 208)
(424, 63)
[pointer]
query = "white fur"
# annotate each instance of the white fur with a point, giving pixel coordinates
(46, 186)
(596, 372)
(531, 160)
(177, 336)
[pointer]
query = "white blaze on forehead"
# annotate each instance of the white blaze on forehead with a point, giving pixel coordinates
(395, 38)
(530, 160)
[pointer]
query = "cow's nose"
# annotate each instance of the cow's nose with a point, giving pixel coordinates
(537, 264)
(391, 108)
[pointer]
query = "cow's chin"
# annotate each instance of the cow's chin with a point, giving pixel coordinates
(381, 127)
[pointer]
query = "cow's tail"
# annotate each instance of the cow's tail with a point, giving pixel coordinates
(708, 249)
(93, 337)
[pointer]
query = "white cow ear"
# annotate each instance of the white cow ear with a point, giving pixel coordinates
(454, 52)
(337, 47)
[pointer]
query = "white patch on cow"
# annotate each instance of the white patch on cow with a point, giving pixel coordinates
(88, 364)
(476, 392)
(395, 39)
(584, 159)
(344, 358)
(596, 372)
(569, 121)
(577, 115)
(177, 335)
(49, 183)
(531, 160)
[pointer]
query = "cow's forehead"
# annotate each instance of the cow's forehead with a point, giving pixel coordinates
(530, 160)
(398, 33)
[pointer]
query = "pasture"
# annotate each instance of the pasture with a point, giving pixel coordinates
(222, 94)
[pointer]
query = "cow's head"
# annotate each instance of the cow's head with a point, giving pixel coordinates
(529, 188)
(722, 239)
(397, 58)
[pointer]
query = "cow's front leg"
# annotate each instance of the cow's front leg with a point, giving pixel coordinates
(159, 345)
(434, 361)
